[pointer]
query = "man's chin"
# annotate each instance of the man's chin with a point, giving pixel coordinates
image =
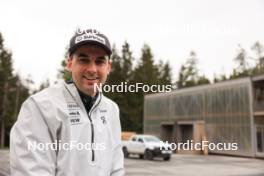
(90, 90)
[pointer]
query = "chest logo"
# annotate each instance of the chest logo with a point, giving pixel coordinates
(103, 110)
(74, 113)
(103, 120)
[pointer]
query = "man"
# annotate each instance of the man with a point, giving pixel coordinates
(71, 129)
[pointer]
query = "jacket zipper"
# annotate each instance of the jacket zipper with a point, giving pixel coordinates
(92, 139)
(92, 128)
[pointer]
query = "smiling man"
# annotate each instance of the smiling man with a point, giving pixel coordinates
(89, 66)
(71, 129)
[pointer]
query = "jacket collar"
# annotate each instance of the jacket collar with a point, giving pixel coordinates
(76, 96)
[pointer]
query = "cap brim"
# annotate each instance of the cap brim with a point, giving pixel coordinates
(89, 42)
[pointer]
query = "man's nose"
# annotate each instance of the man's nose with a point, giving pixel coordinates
(91, 68)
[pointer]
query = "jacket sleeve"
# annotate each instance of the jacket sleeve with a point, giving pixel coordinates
(118, 156)
(28, 154)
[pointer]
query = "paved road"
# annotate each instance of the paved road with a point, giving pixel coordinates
(4, 163)
(198, 165)
(182, 165)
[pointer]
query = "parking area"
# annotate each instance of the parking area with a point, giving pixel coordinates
(4, 163)
(183, 165)
(198, 165)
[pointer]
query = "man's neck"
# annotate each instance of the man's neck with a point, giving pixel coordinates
(87, 100)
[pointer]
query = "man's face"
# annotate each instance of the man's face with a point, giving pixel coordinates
(89, 65)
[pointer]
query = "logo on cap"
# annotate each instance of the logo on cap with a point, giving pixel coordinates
(89, 34)
(86, 36)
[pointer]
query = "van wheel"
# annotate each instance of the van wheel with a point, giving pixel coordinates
(141, 156)
(148, 155)
(166, 158)
(126, 154)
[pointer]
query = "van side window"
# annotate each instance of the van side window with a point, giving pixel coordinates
(134, 139)
(140, 140)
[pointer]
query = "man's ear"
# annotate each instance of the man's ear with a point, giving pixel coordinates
(109, 66)
(69, 63)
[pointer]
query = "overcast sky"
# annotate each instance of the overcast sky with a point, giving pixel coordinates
(37, 32)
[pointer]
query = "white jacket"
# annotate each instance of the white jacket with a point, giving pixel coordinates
(56, 117)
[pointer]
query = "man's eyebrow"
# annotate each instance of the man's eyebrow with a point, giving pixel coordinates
(102, 57)
(82, 55)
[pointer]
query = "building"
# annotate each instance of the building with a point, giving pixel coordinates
(225, 112)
